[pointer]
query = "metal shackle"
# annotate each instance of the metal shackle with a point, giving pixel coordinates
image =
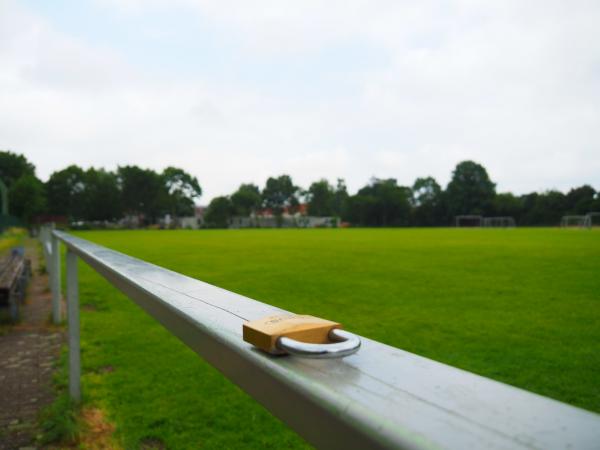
(344, 344)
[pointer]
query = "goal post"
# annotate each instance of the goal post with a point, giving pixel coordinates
(499, 222)
(468, 221)
(574, 221)
(592, 219)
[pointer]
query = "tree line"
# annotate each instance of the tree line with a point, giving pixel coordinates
(385, 203)
(97, 194)
(100, 195)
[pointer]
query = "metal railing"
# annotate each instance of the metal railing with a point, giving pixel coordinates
(379, 397)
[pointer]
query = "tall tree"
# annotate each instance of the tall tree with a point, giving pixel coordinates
(528, 202)
(548, 209)
(470, 190)
(27, 197)
(280, 193)
(320, 198)
(219, 212)
(65, 190)
(183, 189)
(13, 166)
(506, 204)
(579, 200)
(246, 200)
(595, 206)
(143, 191)
(102, 195)
(381, 203)
(427, 202)
(361, 210)
(340, 196)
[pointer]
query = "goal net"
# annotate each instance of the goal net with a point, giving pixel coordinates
(468, 221)
(573, 221)
(592, 219)
(502, 222)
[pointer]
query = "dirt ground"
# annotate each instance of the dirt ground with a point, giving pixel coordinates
(28, 355)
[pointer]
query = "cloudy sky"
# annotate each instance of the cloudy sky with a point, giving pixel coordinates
(238, 90)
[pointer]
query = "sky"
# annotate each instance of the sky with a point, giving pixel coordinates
(236, 91)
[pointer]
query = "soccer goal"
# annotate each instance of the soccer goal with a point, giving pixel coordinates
(499, 222)
(468, 221)
(592, 219)
(573, 221)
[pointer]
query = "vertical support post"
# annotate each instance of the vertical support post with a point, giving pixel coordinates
(48, 248)
(73, 324)
(55, 279)
(44, 241)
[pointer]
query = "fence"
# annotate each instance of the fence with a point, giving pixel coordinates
(380, 397)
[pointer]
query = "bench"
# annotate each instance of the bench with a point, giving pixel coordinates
(15, 271)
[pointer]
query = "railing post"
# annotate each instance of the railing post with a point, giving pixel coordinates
(42, 237)
(55, 279)
(73, 324)
(48, 245)
(45, 241)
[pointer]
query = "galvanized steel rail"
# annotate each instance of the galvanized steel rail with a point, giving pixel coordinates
(380, 397)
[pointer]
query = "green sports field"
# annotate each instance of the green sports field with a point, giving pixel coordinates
(521, 306)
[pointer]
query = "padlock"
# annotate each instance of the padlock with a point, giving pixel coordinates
(263, 333)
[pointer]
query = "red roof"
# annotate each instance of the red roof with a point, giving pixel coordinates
(302, 208)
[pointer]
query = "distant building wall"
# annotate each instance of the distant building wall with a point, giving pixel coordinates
(286, 221)
(190, 222)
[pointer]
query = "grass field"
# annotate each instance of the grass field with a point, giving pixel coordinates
(520, 306)
(11, 238)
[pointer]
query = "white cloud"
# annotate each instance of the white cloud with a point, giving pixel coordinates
(513, 85)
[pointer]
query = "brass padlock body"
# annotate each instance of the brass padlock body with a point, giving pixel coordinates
(263, 333)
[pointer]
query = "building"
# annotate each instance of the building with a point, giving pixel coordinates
(292, 217)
